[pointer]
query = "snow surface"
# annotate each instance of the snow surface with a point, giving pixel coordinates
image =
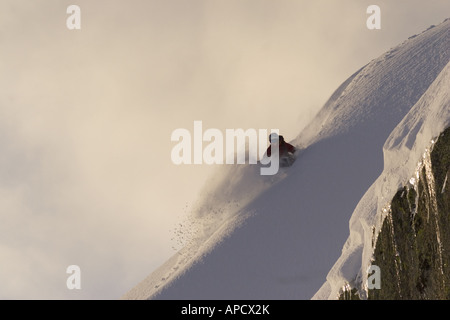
(287, 236)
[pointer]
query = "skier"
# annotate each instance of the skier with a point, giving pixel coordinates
(287, 150)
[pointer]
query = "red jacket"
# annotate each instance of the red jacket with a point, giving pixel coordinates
(284, 149)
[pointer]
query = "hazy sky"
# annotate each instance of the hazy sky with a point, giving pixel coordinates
(86, 117)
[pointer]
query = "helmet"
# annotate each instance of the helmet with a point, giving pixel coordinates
(273, 137)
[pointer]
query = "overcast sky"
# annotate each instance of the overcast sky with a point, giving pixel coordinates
(86, 117)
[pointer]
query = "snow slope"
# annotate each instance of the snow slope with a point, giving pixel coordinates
(263, 237)
(405, 150)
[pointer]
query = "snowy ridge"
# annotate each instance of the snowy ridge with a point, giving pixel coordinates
(407, 146)
(403, 148)
(383, 91)
(262, 237)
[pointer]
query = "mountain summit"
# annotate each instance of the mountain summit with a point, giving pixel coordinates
(287, 236)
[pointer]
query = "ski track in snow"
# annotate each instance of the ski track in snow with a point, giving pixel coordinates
(287, 236)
